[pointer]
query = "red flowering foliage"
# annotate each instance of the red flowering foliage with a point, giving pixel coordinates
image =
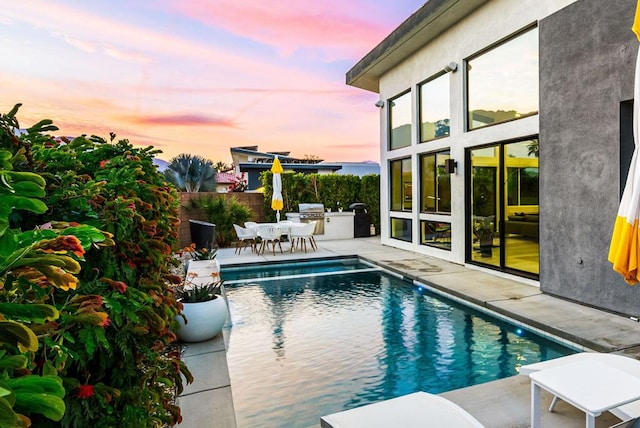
(61, 245)
(104, 319)
(119, 286)
(239, 185)
(85, 391)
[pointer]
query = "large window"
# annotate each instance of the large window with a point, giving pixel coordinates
(400, 181)
(401, 229)
(434, 108)
(435, 234)
(435, 183)
(400, 121)
(503, 82)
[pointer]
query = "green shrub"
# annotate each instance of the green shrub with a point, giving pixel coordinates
(338, 191)
(370, 195)
(35, 265)
(109, 344)
(224, 211)
(333, 190)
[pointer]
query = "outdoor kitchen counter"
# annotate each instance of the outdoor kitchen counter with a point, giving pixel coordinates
(336, 225)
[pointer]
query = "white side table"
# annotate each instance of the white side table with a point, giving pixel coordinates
(591, 386)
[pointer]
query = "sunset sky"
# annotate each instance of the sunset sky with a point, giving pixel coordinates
(199, 76)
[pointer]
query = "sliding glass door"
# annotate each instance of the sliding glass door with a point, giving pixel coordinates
(503, 207)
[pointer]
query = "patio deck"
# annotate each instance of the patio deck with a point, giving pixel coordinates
(503, 403)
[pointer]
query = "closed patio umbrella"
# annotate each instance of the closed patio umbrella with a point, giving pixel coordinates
(276, 199)
(624, 252)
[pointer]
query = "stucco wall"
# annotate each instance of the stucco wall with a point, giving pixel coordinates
(587, 60)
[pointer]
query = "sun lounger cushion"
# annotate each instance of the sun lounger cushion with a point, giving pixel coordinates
(419, 409)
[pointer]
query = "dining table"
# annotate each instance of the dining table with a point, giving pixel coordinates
(284, 227)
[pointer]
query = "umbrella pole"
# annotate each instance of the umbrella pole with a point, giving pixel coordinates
(278, 216)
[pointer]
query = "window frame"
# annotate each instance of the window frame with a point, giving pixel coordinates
(467, 66)
(390, 101)
(406, 221)
(444, 75)
(406, 196)
(444, 235)
(421, 196)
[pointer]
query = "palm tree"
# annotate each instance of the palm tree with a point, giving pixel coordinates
(223, 167)
(191, 173)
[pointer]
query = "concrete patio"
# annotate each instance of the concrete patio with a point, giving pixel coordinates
(504, 403)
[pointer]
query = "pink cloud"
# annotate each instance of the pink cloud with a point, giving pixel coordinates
(123, 74)
(332, 26)
(183, 120)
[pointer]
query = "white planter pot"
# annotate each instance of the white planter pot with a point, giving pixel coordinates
(213, 265)
(204, 320)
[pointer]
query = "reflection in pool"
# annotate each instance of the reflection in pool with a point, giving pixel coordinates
(310, 345)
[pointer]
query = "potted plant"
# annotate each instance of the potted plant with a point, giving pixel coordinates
(204, 310)
(203, 258)
(483, 229)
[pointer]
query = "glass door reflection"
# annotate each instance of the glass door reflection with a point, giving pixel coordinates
(485, 238)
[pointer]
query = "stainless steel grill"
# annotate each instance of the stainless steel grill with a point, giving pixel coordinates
(312, 212)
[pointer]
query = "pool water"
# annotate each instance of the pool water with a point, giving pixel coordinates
(309, 345)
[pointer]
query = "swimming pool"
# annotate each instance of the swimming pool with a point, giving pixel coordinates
(310, 340)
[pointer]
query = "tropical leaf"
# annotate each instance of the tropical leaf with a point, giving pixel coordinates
(5, 159)
(23, 203)
(14, 110)
(48, 405)
(8, 417)
(43, 126)
(39, 313)
(18, 334)
(8, 243)
(31, 177)
(50, 385)
(13, 362)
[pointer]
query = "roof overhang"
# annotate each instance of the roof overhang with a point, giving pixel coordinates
(427, 23)
(302, 167)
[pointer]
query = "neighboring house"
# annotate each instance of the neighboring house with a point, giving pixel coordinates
(223, 181)
(506, 134)
(252, 162)
(359, 168)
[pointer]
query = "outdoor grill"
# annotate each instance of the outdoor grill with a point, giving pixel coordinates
(312, 212)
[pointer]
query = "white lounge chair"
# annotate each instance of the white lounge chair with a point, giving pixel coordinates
(631, 423)
(419, 409)
(627, 412)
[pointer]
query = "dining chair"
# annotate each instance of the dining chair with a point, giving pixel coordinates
(269, 233)
(285, 228)
(300, 235)
(246, 237)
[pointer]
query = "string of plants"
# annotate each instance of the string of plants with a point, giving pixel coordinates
(87, 306)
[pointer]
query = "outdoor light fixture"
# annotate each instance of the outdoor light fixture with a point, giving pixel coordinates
(450, 166)
(452, 66)
(380, 103)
